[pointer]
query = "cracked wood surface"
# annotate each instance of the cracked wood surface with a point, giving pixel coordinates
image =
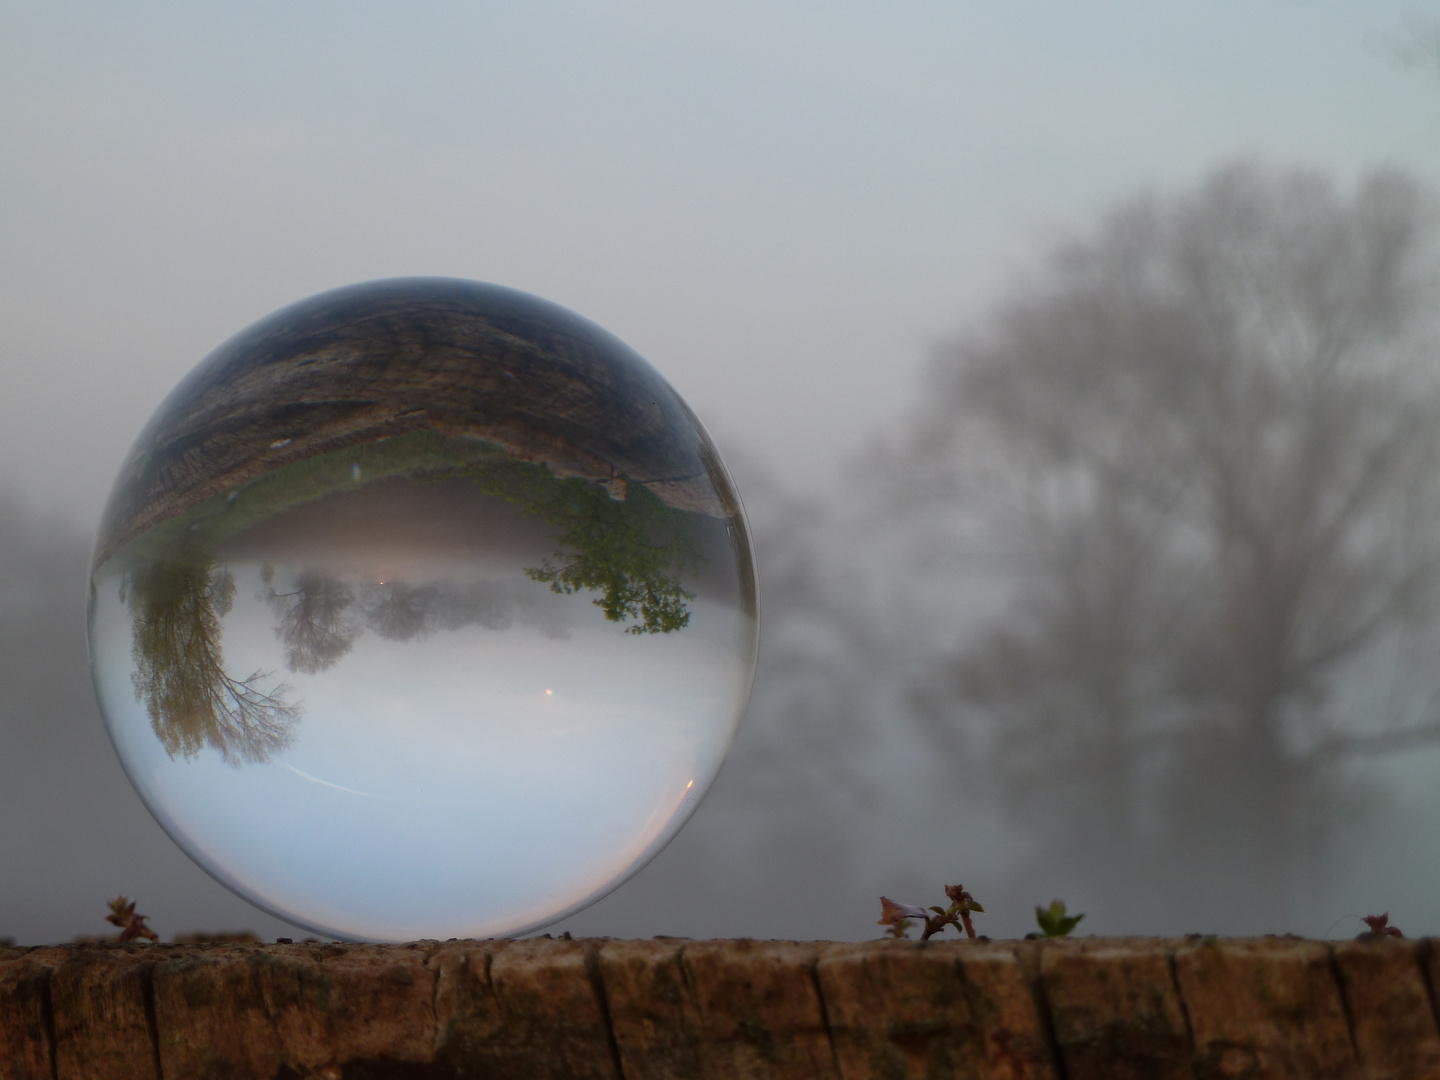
(1070, 1009)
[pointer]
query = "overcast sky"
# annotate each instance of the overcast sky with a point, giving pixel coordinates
(780, 203)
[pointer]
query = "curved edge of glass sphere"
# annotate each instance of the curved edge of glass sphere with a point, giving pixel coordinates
(188, 416)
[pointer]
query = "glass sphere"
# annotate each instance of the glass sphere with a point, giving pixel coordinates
(422, 608)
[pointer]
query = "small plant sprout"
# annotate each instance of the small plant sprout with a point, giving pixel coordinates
(900, 927)
(132, 926)
(1380, 927)
(956, 915)
(1053, 920)
(899, 916)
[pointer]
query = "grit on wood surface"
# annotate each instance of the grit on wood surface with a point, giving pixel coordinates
(1072, 1009)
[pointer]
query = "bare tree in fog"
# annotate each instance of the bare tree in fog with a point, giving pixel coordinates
(1417, 46)
(193, 702)
(314, 620)
(1203, 448)
(400, 612)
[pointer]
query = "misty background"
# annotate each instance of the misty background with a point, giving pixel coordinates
(1078, 367)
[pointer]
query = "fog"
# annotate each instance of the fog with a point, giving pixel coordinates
(1088, 440)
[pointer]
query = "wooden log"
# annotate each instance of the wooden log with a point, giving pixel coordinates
(523, 1009)
(1390, 1010)
(27, 1026)
(652, 1010)
(308, 1008)
(759, 1010)
(1268, 1008)
(898, 1009)
(1115, 1009)
(728, 1009)
(104, 1020)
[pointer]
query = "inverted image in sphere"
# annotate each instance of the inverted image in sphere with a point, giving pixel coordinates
(422, 608)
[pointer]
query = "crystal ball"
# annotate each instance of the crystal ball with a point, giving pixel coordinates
(423, 608)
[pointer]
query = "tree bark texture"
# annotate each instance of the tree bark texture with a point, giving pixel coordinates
(1071, 1009)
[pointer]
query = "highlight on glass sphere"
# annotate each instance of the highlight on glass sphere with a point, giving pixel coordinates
(422, 608)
